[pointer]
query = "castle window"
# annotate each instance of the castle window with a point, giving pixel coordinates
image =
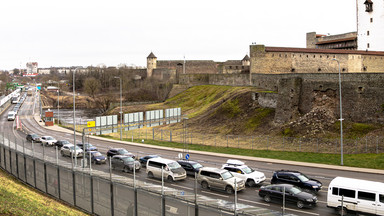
(343, 69)
(368, 6)
(371, 20)
(367, 45)
(319, 69)
(293, 70)
(314, 56)
(368, 33)
(236, 67)
(230, 67)
(365, 68)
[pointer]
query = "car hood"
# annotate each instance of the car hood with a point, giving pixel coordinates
(256, 174)
(313, 182)
(179, 170)
(100, 157)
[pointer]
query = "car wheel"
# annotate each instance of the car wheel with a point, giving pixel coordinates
(300, 204)
(126, 169)
(170, 179)
(342, 210)
(267, 198)
(229, 190)
(251, 183)
(150, 174)
(204, 185)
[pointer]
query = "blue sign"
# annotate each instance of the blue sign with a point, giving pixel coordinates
(39, 87)
(187, 156)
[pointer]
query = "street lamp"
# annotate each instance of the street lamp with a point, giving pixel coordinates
(121, 109)
(58, 102)
(74, 116)
(341, 115)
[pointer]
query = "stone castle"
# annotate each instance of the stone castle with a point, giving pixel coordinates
(304, 79)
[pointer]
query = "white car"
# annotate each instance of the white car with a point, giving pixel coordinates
(244, 172)
(70, 149)
(48, 140)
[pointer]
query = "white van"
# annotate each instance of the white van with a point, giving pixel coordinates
(172, 171)
(11, 115)
(357, 196)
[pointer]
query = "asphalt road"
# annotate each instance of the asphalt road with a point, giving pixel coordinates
(248, 196)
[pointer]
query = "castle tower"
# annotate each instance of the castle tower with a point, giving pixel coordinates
(151, 64)
(246, 61)
(370, 25)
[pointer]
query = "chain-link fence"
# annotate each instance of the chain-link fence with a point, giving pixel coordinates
(103, 193)
(370, 144)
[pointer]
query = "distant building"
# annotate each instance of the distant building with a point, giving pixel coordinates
(31, 69)
(341, 41)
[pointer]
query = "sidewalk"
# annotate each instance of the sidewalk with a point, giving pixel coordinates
(267, 160)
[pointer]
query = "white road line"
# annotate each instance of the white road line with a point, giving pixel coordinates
(259, 203)
(321, 201)
(214, 194)
(304, 212)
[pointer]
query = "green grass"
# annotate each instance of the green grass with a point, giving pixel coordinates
(256, 120)
(18, 199)
(373, 161)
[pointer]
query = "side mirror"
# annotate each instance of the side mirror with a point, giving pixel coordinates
(221, 179)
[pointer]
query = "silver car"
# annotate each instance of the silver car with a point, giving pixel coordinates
(125, 163)
(222, 179)
(70, 149)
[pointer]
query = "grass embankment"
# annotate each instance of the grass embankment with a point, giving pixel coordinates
(18, 199)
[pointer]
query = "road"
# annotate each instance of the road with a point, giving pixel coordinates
(248, 196)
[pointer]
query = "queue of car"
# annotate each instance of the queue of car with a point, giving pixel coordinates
(288, 185)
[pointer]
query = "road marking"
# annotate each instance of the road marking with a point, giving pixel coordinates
(321, 201)
(304, 212)
(214, 194)
(259, 203)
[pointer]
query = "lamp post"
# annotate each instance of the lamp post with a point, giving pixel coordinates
(121, 109)
(74, 117)
(341, 116)
(58, 102)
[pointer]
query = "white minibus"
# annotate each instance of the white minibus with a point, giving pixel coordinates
(172, 171)
(357, 195)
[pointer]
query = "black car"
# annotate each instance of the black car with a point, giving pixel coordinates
(191, 167)
(119, 151)
(97, 157)
(125, 163)
(293, 194)
(60, 143)
(33, 137)
(296, 178)
(87, 147)
(143, 160)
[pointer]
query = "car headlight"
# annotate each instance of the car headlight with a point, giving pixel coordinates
(309, 200)
(98, 159)
(314, 186)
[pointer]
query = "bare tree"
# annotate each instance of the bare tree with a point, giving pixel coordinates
(103, 103)
(92, 86)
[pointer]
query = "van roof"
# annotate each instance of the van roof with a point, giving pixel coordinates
(357, 183)
(161, 160)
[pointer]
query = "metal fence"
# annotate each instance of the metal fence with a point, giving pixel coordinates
(103, 193)
(317, 145)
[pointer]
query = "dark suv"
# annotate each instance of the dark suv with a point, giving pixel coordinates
(296, 178)
(119, 151)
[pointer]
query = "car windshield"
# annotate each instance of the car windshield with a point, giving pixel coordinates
(174, 165)
(34, 136)
(88, 145)
(197, 165)
(226, 175)
(248, 170)
(303, 178)
(294, 190)
(73, 147)
(122, 151)
(65, 142)
(96, 154)
(127, 159)
(50, 138)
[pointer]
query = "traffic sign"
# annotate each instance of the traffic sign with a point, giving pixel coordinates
(91, 123)
(187, 156)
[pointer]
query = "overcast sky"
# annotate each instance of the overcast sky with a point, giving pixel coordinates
(90, 32)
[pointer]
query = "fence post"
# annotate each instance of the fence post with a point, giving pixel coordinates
(252, 140)
(227, 141)
(153, 133)
(170, 135)
(238, 141)
(215, 140)
(267, 143)
(366, 144)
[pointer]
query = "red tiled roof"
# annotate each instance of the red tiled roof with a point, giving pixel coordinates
(325, 51)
